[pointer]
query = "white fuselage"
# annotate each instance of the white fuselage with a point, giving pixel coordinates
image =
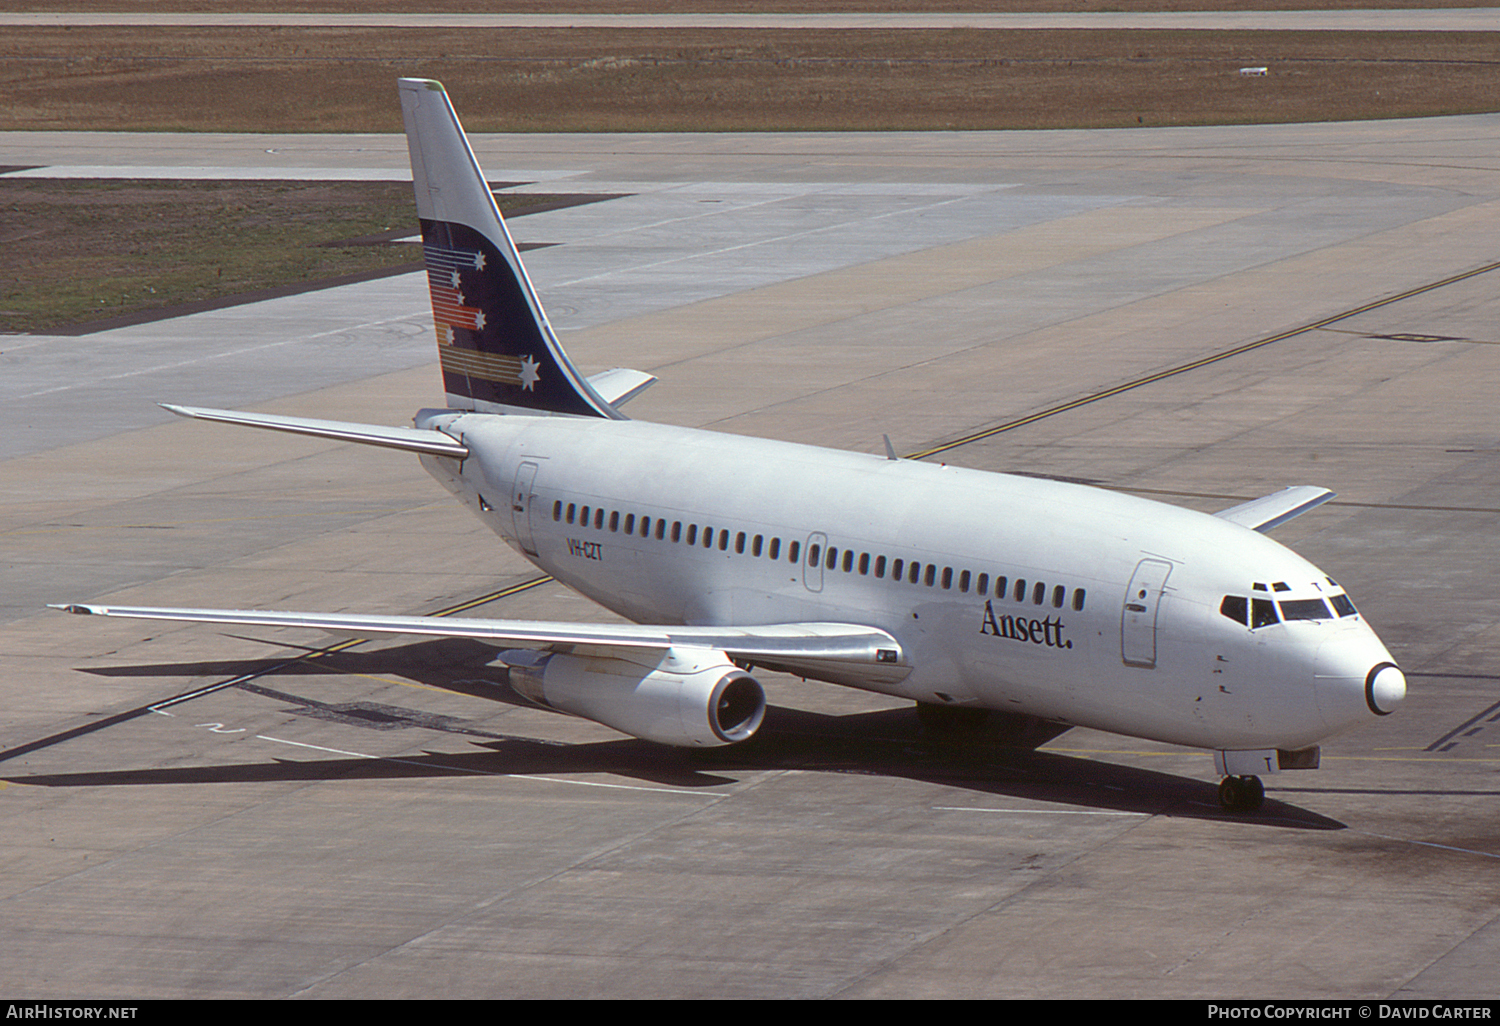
(1072, 603)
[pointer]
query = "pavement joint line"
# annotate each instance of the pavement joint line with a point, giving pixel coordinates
(1162, 375)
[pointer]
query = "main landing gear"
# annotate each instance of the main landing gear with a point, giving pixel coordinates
(1241, 794)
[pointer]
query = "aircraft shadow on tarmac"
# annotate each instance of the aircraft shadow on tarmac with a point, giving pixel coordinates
(1001, 762)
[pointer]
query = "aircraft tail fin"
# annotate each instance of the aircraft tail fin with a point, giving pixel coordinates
(499, 353)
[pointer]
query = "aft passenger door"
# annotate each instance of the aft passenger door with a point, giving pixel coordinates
(520, 506)
(1138, 618)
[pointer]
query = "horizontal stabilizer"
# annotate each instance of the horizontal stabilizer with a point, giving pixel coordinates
(433, 443)
(824, 650)
(1277, 508)
(618, 386)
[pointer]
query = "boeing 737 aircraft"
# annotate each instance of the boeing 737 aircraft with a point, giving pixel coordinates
(966, 592)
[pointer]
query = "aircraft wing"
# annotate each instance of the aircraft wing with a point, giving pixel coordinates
(1277, 508)
(839, 652)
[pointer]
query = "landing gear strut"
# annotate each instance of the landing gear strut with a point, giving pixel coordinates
(1241, 794)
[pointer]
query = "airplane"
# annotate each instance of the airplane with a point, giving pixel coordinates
(976, 595)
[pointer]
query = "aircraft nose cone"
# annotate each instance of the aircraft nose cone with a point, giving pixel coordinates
(1385, 687)
(1355, 677)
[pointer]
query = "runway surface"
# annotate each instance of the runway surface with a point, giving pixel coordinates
(191, 811)
(1453, 19)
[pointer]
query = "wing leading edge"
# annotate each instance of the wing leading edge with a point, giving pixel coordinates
(837, 652)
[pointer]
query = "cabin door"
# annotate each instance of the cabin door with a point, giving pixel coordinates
(521, 501)
(812, 561)
(1138, 618)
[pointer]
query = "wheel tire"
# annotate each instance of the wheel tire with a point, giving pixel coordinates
(1241, 794)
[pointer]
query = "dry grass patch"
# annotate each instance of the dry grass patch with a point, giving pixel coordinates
(719, 80)
(76, 250)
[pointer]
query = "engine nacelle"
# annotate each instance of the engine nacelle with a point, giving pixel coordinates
(688, 698)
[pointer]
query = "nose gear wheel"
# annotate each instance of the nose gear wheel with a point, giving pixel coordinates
(1241, 794)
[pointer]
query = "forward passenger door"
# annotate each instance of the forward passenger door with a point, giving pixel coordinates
(1138, 619)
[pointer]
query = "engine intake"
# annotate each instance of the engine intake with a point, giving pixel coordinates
(686, 698)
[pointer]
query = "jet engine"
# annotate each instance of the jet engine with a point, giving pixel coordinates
(687, 698)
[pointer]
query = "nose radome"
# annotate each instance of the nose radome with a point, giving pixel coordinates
(1354, 677)
(1385, 687)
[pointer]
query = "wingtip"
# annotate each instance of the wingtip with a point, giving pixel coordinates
(71, 607)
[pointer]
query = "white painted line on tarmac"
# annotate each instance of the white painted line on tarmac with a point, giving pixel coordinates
(487, 773)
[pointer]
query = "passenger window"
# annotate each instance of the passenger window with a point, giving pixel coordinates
(708, 537)
(739, 544)
(692, 538)
(931, 574)
(661, 529)
(1236, 607)
(793, 550)
(1058, 593)
(947, 578)
(963, 582)
(832, 561)
(775, 550)
(1038, 593)
(1020, 590)
(724, 539)
(572, 511)
(583, 518)
(557, 510)
(599, 519)
(1001, 583)
(982, 585)
(1262, 613)
(879, 566)
(864, 564)
(848, 560)
(896, 567)
(1078, 600)
(813, 552)
(914, 573)
(755, 545)
(629, 524)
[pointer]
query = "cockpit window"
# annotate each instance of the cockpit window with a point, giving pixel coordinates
(1236, 607)
(1304, 609)
(1342, 605)
(1262, 613)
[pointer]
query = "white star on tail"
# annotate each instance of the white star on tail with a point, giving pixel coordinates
(529, 375)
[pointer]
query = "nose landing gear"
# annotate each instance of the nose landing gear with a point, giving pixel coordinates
(1241, 794)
